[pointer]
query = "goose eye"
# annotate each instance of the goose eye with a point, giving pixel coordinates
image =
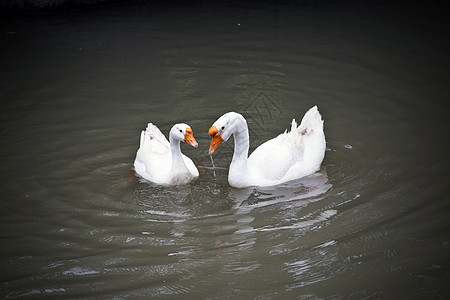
(181, 131)
(223, 127)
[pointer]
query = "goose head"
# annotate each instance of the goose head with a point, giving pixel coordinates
(222, 129)
(183, 132)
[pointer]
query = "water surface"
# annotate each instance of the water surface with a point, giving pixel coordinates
(78, 87)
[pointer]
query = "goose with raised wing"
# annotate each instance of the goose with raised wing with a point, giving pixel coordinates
(289, 156)
(161, 161)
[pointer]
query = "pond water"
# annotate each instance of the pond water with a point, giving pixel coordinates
(78, 87)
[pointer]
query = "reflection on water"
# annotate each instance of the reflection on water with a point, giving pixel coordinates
(178, 204)
(76, 87)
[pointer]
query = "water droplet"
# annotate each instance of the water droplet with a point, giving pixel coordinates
(214, 168)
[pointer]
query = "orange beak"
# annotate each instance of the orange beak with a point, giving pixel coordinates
(216, 139)
(189, 137)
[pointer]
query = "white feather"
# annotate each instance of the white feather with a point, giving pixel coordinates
(290, 155)
(154, 159)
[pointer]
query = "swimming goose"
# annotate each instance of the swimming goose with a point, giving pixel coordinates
(162, 162)
(291, 155)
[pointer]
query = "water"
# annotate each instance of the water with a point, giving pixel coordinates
(213, 167)
(78, 87)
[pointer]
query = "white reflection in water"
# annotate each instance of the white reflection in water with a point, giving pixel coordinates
(79, 271)
(181, 216)
(326, 244)
(307, 189)
(242, 267)
(291, 196)
(318, 266)
(322, 217)
(296, 194)
(46, 291)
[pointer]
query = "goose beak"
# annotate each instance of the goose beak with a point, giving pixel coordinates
(216, 139)
(189, 137)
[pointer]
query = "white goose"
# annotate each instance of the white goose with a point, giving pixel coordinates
(162, 162)
(291, 155)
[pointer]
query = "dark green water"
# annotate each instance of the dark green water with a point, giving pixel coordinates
(77, 88)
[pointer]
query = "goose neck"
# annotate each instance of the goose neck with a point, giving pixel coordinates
(177, 159)
(241, 141)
